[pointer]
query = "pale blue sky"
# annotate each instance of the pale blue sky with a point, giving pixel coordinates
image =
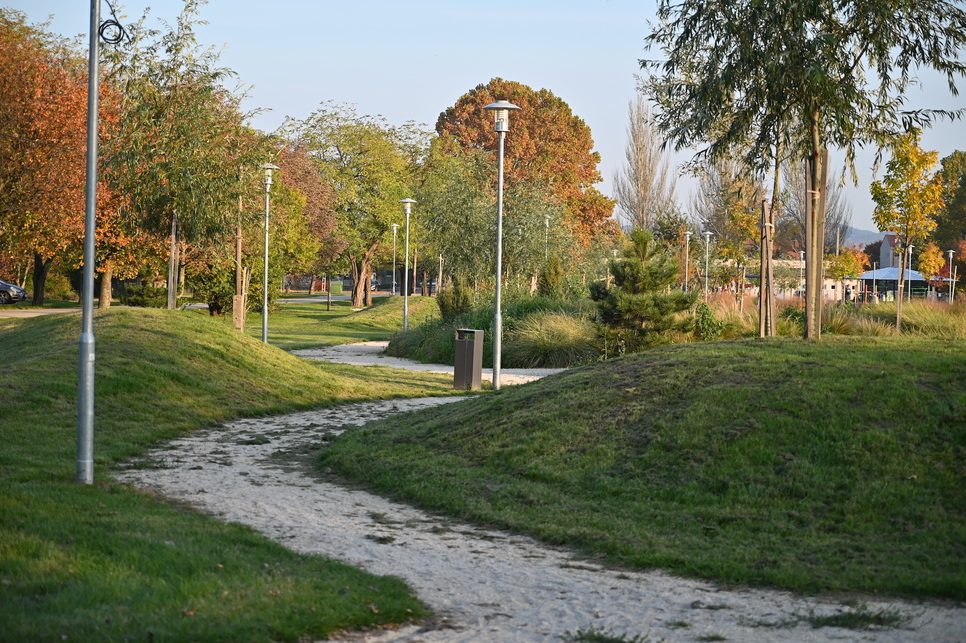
(411, 60)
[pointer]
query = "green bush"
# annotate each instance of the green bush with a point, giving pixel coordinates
(455, 300)
(145, 297)
(707, 326)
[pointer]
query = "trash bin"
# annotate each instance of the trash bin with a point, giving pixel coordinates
(468, 360)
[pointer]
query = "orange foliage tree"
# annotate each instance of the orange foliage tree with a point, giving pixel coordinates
(42, 143)
(547, 144)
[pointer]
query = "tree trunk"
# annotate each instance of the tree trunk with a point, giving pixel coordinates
(41, 268)
(104, 301)
(899, 287)
(358, 283)
(815, 233)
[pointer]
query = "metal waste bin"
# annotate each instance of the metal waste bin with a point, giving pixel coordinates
(468, 362)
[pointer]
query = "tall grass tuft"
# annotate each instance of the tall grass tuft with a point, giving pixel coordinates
(551, 339)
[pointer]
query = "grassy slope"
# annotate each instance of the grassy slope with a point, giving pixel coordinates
(811, 466)
(307, 325)
(103, 562)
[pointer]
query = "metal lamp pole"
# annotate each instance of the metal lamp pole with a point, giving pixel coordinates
(907, 276)
(85, 371)
(546, 240)
(268, 167)
(395, 228)
(501, 111)
(407, 208)
(950, 275)
(687, 257)
(707, 246)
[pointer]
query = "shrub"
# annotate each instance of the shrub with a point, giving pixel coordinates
(707, 326)
(145, 297)
(551, 339)
(454, 301)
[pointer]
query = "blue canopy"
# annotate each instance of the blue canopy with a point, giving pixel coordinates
(892, 274)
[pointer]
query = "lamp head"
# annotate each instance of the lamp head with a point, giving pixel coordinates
(407, 205)
(501, 112)
(268, 167)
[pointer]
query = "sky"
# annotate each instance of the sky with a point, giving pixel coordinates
(409, 61)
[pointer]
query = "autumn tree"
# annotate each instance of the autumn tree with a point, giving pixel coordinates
(728, 203)
(644, 185)
(43, 112)
(777, 76)
(547, 145)
(932, 263)
(950, 229)
(908, 199)
(368, 165)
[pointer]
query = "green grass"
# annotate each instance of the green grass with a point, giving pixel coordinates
(831, 466)
(104, 562)
(295, 326)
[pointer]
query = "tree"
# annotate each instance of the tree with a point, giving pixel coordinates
(638, 307)
(180, 139)
(644, 186)
(932, 263)
(547, 145)
(849, 263)
(365, 161)
(908, 199)
(728, 203)
(774, 77)
(43, 115)
(951, 220)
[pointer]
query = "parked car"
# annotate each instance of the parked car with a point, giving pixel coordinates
(11, 293)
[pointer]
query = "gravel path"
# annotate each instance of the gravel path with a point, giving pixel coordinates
(483, 585)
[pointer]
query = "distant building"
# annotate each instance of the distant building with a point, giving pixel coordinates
(888, 254)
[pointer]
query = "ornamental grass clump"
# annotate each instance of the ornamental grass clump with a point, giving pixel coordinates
(552, 339)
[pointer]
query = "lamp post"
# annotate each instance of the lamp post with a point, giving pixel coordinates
(801, 270)
(907, 276)
(268, 167)
(546, 240)
(407, 208)
(950, 275)
(501, 112)
(395, 228)
(707, 246)
(687, 257)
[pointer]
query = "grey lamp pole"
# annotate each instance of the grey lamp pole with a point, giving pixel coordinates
(950, 275)
(501, 111)
(268, 167)
(546, 240)
(395, 229)
(907, 276)
(707, 245)
(687, 257)
(85, 371)
(407, 208)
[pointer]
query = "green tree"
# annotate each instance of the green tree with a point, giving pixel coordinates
(776, 78)
(908, 199)
(369, 166)
(951, 221)
(639, 307)
(180, 138)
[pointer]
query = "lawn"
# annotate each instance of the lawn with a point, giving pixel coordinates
(832, 466)
(105, 562)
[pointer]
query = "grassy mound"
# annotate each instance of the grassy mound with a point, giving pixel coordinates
(103, 562)
(832, 466)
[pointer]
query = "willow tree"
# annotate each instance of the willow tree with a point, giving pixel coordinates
(180, 139)
(775, 76)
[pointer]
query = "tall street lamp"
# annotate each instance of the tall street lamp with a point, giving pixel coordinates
(707, 246)
(501, 111)
(407, 208)
(395, 228)
(687, 257)
(268, 167)
(546, 240)
(908, 275)
(801, 270)
(950, 275)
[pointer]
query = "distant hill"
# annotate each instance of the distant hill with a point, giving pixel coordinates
(862, 238)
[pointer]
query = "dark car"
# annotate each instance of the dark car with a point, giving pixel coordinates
(11, 293)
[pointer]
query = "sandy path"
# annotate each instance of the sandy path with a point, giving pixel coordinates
(483, 585)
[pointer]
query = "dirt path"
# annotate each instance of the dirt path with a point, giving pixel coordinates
(483, 585)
